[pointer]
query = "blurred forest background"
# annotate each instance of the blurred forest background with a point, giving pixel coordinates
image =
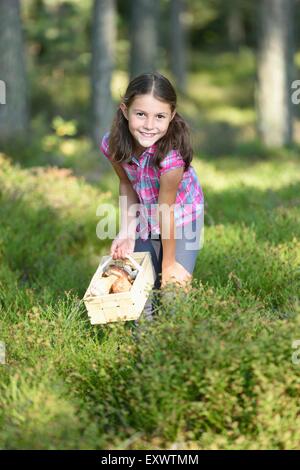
(66, 64)
(219, 369)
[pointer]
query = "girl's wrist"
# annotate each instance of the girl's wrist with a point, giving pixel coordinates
(166, 263)
(123, 233)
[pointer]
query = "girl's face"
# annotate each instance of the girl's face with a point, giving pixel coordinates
(148, 119)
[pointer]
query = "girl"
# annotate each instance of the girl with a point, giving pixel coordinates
(150, 151)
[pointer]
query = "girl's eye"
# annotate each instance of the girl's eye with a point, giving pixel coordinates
(140, 113)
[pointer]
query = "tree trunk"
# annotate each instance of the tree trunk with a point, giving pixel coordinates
(14, 114)
(143, 36)
(178, 44)
(103, 52)
(235, 26)
(275, 72)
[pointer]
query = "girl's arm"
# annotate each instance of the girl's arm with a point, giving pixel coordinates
(169, 183)
(129, 197)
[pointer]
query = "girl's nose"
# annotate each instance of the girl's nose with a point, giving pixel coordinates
(149, 124)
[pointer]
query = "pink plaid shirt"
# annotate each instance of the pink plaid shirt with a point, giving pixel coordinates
(144, 177)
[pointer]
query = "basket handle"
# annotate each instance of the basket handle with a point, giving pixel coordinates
(135, 264)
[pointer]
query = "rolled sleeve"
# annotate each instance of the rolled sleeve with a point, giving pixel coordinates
(172, 160)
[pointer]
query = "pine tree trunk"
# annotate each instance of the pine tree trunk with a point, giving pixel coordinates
(275, 72)
(178, 44)
(14, 114)
(103, 52)
(235, 26)
(143, 36)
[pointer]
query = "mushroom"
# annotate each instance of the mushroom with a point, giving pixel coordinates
(121, 283)
(102, 285)
(116, 278)
(115, 270)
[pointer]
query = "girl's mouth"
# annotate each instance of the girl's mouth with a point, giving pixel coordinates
(145, 134)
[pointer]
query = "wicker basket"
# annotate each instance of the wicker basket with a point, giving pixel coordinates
(126, 305)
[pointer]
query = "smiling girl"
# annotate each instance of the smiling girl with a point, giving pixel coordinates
(150, 151)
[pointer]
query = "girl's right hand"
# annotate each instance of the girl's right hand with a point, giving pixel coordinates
(121, 247)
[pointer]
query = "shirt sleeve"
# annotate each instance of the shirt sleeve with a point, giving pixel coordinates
(104, 145)
(172, 160)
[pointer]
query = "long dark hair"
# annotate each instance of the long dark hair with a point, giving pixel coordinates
(121, 143)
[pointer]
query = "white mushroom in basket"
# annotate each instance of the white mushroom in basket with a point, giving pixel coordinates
(102, 285)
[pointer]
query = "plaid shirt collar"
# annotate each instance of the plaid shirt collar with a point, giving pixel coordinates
(147, 152)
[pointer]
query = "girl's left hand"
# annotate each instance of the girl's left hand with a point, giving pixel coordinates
(175, 273)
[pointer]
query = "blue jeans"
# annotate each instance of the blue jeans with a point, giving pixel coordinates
(188, 240)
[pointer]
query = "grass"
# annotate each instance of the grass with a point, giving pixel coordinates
(215, 373)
